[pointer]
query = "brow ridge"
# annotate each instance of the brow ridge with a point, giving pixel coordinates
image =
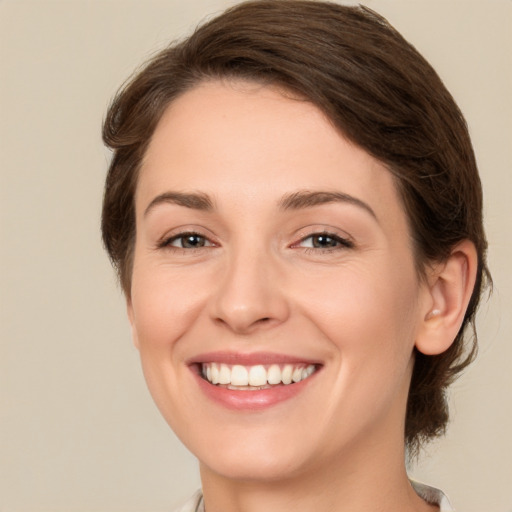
(308, 199)
(295, 201)
(193, 200)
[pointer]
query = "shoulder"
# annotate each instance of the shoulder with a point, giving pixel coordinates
(432, 495)
(193, 504)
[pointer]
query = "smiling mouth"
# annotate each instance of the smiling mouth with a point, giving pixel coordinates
(256, 377)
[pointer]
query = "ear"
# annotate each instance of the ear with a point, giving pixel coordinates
(129, 311)
(450, 285)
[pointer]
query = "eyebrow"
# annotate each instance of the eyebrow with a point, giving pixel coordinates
(308, 199)
(193, 200)
(296, 201)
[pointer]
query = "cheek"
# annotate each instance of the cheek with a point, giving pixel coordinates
(164, 307)
(369, 312)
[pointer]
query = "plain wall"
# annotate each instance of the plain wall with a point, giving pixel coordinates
(78, 429)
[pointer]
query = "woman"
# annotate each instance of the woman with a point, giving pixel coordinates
(295, 213)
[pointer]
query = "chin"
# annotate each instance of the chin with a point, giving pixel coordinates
(258, 457)
(264, 467)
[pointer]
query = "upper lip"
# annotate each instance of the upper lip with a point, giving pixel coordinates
(249, 359)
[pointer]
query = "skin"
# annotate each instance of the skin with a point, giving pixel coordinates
(258, 284)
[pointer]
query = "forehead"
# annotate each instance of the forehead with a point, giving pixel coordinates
(250, 143)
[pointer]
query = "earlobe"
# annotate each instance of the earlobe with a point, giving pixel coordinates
(451, 284)
(129, 311)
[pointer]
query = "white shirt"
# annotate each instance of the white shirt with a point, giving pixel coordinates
(429, 494)
(432, 495)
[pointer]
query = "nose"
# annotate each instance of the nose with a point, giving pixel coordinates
(250, 294)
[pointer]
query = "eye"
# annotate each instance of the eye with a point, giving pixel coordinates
(187, 241)
(324, 241)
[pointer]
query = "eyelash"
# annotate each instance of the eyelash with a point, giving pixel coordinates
(339, 242)
(167, 242)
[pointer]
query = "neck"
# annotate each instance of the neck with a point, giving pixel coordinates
(372, 480)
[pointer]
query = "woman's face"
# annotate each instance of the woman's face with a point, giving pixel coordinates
(270, 249)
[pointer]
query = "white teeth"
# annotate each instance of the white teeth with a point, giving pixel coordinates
(286, 376)
(215, 374)
(274, 375)
(257, 376)
(224, 374)
(297, 375)
(239, 376)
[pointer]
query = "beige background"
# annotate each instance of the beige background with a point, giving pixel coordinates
(78, 429)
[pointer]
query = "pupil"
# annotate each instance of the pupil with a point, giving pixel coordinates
(192, 241)
(324, 241)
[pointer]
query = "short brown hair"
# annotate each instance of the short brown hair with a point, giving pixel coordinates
(376, 89)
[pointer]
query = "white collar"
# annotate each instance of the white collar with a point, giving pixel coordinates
(429, 494)
(432, 495)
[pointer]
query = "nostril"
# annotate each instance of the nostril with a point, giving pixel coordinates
(244, 321)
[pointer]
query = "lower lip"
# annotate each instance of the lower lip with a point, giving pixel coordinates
(251, 400)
